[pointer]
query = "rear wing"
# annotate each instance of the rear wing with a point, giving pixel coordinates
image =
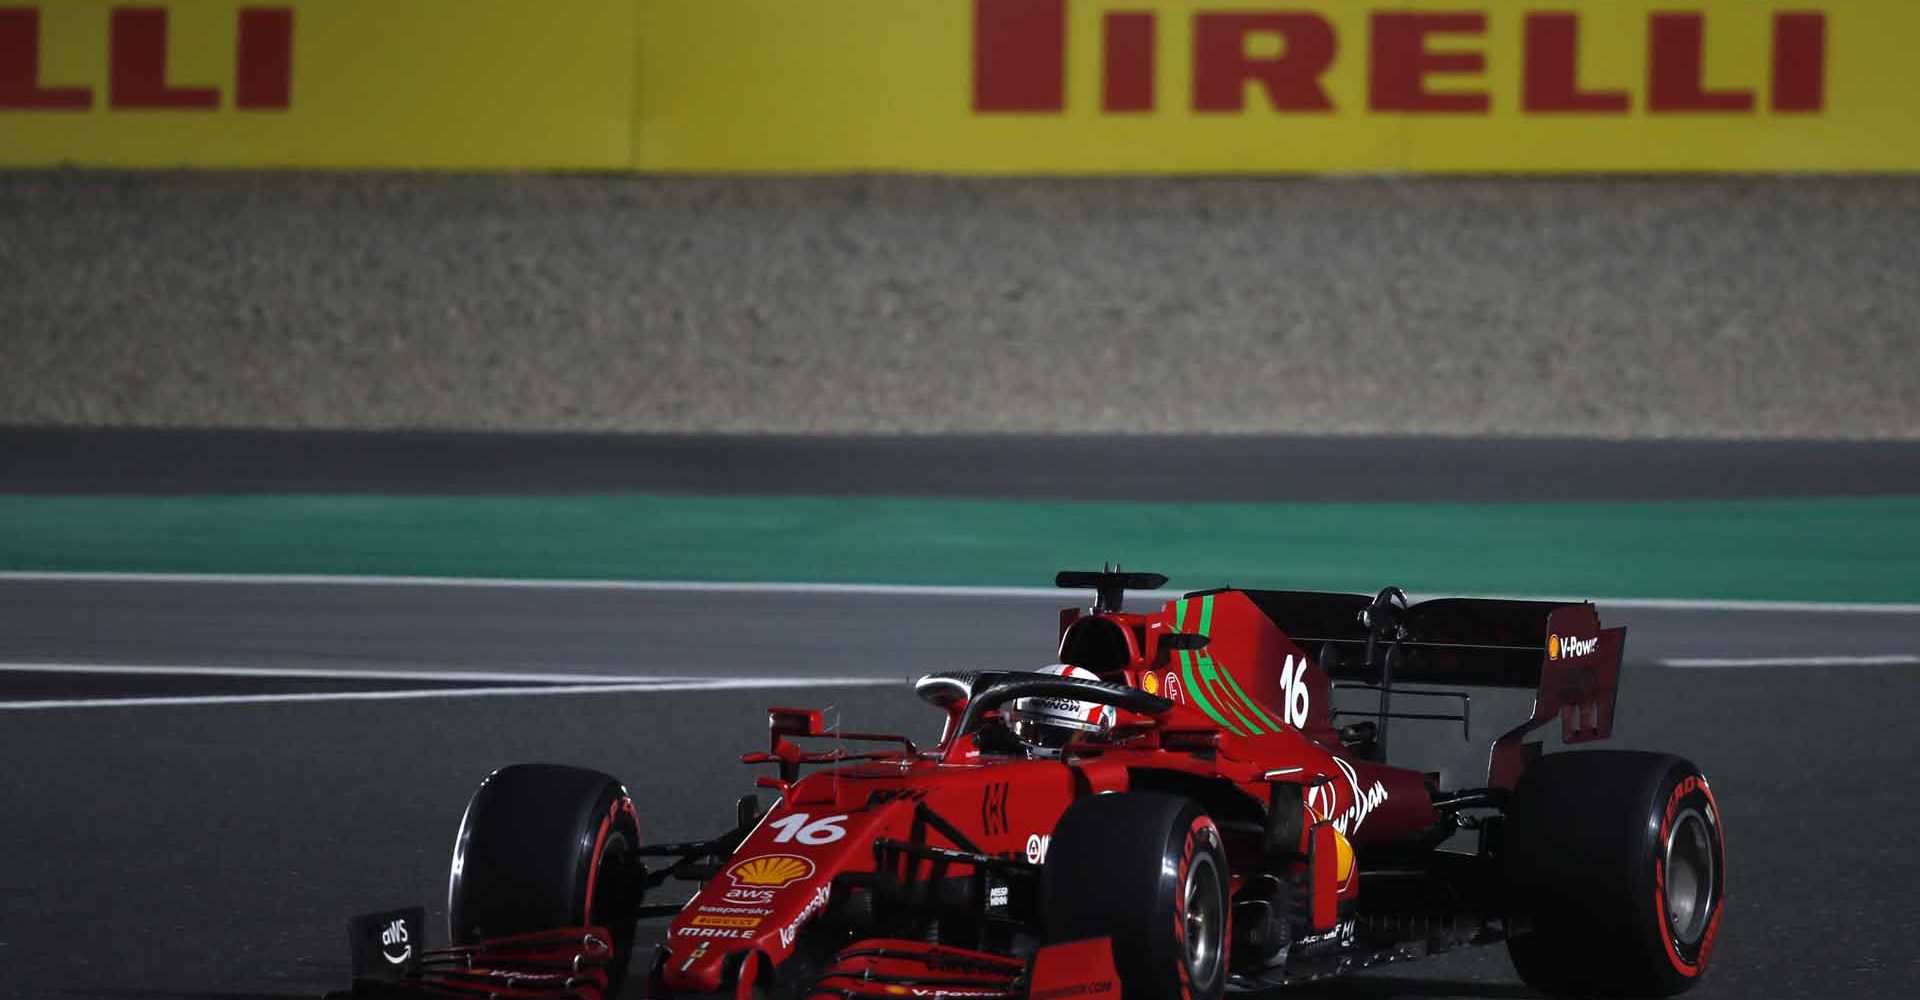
(1560, 651)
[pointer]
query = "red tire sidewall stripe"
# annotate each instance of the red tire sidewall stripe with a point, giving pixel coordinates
(1202, 826)
(621, 804)
(1692, 783)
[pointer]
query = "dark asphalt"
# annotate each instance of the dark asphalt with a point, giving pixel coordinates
(1172, 467)
(698, 634)
(215, 851)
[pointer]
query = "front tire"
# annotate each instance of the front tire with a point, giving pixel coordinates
(1148, 871)
(1617, 872)
(544, 846)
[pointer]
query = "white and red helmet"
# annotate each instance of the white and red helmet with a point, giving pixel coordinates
(1046, 724)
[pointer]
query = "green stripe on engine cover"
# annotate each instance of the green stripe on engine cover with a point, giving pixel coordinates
(1199, 693)
(1272, 726)
(1194, 688)
(1214, 667)
(1210, 674)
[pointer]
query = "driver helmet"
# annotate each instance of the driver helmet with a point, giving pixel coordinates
(1046, 724)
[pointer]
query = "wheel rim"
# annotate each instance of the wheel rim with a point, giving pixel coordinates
(1689, 876)
(1205, 922)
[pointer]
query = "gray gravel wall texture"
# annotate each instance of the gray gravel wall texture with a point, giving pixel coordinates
(1776, 307)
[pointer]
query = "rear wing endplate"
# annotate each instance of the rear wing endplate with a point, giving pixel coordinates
(1558, 650)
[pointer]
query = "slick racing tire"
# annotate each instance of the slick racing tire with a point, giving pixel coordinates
(1146, 869)
(1616, 871)
(544, 846)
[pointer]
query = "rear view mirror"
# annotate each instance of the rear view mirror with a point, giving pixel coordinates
(794, 722)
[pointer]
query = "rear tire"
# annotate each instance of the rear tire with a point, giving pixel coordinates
(544, 846)
(1146, 869)
(1617, 873)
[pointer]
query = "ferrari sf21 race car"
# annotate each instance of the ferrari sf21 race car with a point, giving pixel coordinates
(1171, 811)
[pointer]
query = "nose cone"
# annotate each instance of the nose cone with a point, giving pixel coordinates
(776, 882)
(699, 969)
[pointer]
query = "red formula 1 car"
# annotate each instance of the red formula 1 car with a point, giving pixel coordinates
(1173, 811)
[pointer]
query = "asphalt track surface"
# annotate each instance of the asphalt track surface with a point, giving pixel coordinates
(1033, 467)
(214, 851)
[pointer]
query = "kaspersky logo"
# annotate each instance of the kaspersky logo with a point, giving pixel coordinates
(1566, 647)
(1417, 62)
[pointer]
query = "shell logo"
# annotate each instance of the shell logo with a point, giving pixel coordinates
(1151, 683)
(1570, 647)
(770, 871)
(1343, 859)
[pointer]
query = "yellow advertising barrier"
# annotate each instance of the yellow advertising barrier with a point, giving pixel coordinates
(318, 83)
(1093, 86)
(972, 86)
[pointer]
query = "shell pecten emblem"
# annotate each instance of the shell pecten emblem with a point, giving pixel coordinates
(1343, 859)
(770, 871)
(1343, 867)
(1553, 647)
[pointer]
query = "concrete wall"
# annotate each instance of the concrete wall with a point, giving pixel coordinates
(1610, 307)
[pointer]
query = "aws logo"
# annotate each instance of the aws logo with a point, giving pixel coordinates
(137, 73)
(1020, 61)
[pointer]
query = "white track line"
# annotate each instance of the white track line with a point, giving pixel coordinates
(444, 676)
(1891, 660)
(872, 590)
(716, 684)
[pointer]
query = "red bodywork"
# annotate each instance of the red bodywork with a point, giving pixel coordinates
(1251, 720)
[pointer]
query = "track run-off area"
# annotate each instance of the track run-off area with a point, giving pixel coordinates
(206, 776)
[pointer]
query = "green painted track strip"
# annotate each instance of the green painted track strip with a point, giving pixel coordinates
(1865, 549)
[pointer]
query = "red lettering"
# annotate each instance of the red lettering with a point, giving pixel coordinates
(1402, 62)
(1678, 69)
(1799, 62)
(138, 74)
(1553, 70)
(20, 67)
(263, 63)
(1221, 66)
(1128, 84)
(1019, 55)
